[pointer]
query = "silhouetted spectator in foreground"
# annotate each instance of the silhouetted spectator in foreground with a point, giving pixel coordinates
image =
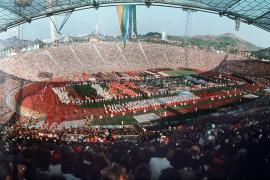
(159, 162)
(170, 173)
(142, 172)
(114, 173)
(5, 170)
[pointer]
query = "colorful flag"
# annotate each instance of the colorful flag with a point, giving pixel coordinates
(119, 11)
(130, 22)
(134, 19)
(127, 20)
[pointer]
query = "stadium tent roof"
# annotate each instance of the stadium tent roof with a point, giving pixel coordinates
(15, 12)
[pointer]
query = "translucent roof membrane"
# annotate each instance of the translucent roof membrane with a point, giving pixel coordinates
(14, 12)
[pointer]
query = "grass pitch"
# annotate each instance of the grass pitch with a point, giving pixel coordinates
(177, 73)
(85, 90)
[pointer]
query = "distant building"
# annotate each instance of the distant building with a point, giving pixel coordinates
(164, 36)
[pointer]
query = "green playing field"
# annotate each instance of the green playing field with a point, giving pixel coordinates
(85, 90)
(176, 73)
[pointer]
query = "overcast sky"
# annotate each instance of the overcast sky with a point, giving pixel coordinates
(158, 19)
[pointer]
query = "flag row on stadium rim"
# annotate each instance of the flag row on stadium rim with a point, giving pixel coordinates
(127, 19)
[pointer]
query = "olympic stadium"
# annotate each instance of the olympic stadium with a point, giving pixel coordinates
(134, 105)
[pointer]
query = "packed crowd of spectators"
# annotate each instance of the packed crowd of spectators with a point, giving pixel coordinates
(205, 147)
(255, 70)
(7, 84)
(106, 57)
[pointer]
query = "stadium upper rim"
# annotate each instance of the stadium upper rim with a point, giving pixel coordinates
(16, 12)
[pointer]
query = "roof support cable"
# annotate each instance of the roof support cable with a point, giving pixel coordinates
(63, 23)
(65, 20)
(187, 43)
(100, 23)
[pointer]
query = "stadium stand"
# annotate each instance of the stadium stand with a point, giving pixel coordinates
(7, 84)
(96, 57)
(255, 70)
(226, 146)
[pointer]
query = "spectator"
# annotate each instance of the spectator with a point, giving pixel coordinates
(55, 165)
(159, 162)
(114, 173)
(67, 168)
(142, 172)
(5, 170)
(181, 161)
(170, 173)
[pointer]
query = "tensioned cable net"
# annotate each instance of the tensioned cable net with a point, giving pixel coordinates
(14, 12)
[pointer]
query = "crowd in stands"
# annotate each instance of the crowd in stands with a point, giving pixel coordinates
(7, 84)
(255, 70)
(206, 147)
(107, 56)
